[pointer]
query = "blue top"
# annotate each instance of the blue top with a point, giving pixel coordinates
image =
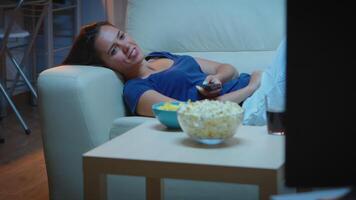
(177, 82)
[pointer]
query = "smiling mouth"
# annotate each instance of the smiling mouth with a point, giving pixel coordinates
(132, 52)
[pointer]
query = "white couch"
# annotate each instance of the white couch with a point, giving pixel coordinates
(82, 106)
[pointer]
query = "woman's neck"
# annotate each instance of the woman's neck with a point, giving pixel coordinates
(149, 67)
(142, 71)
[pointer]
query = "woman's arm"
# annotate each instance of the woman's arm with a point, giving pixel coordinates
(218, 73)
(221, 71)
(147, 99)
(240, 95)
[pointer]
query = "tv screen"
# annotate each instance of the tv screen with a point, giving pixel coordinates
(321, 90)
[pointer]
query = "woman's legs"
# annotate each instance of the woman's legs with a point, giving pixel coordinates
(274, 77)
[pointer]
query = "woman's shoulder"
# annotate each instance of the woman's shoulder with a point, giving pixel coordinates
(136, 84)
(161, 54)
(134, 81)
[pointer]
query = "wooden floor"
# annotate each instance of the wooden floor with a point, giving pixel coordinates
(22, 166)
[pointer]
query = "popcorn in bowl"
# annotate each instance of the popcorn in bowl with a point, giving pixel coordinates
(210, 121)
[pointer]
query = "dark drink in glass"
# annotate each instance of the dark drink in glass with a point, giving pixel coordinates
(276, 122)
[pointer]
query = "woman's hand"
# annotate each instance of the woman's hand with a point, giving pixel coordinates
(213, 93)
(255, 80)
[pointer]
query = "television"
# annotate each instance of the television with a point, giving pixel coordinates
(320, 95)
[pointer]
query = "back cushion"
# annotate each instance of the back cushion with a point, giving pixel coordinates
(206, 25)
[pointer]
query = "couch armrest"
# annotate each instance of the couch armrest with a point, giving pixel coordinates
(124, 124)
(77, 107)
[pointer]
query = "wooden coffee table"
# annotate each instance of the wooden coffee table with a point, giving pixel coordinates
(251, 157)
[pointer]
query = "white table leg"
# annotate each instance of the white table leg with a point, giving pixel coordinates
(94, 183)
(267, 190)
(154, 189)
(271, 184)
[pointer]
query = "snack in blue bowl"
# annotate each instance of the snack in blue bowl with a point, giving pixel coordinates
(166, 113)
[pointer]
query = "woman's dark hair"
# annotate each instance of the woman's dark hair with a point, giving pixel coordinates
(83, 51)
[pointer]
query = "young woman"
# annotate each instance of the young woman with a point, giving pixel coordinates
(162, 76)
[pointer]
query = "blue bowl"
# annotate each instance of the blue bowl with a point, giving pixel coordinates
(166, 117)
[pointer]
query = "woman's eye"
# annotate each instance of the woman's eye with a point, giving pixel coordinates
(113, 51)
(122, 36)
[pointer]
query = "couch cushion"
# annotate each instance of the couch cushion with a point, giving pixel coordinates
(206, 25)
(243, 61)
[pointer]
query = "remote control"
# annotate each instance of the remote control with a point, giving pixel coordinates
(211, 86)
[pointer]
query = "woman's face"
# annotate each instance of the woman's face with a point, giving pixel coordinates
(118, 50)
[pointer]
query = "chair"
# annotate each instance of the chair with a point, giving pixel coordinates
(4, 36)
(13, 31)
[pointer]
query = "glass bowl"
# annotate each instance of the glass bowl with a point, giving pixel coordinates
(210, 122)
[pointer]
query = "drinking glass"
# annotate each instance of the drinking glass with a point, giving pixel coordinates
(275, 112)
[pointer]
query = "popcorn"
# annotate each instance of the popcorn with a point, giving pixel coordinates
(168, 106)
(210, 119)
